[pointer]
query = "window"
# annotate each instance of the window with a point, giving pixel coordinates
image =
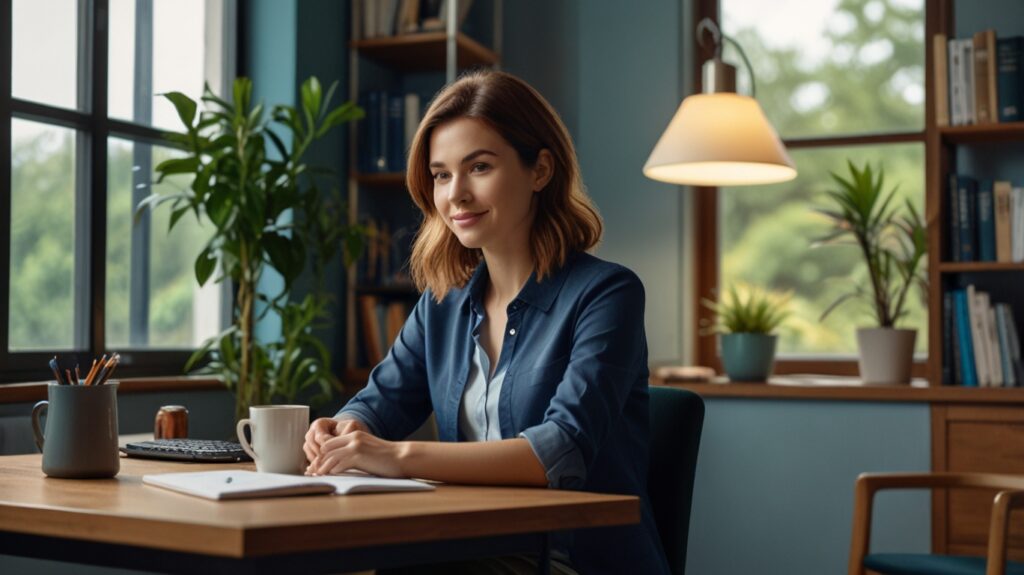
(838, 79)
(82, 135)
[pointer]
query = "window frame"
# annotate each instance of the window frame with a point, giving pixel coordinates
(94, 128)
(706, 233)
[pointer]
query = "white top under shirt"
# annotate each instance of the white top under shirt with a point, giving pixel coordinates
(478, 414)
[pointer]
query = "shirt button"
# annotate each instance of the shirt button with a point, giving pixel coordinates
(512, 331)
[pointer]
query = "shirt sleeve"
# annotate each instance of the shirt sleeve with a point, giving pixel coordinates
(396, 399)
(609, 353)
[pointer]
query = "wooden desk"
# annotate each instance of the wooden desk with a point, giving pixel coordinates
(122, 523)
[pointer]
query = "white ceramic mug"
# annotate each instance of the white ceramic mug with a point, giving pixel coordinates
(278, 432)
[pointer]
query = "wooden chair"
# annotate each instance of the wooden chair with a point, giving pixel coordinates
(1010, 496)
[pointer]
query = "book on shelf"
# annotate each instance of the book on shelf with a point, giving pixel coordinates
(388, 129)
(384, 18)
(940, 52)
(381, 320)
(977, 80)
(981, 345)
(985, 106)
(985, 220)
(1008, 78)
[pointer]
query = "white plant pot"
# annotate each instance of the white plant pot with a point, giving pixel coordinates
(886, 354)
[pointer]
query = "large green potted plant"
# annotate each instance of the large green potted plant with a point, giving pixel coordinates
(251, 186)
(746, 321)
(894, 244)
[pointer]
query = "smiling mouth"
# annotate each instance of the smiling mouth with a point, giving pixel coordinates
(466, 220)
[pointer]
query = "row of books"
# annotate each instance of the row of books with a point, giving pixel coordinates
(981, 341)
(381, 321)
(978, 80)
(380, 18)
(387, 131)
(985, 220)
(387, 254)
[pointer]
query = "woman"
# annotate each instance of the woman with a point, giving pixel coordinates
(530, 352)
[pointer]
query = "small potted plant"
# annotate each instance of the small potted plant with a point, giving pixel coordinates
(746, 321)
(894, 244)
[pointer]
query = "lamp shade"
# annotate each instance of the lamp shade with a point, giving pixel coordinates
(719, 139)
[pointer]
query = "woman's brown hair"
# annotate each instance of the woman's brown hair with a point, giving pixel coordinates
(566, 220)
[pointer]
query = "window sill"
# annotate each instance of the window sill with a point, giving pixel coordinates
(25, 392)
(848, 389)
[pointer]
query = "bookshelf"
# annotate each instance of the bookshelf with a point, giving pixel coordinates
(947, 147)
(394, 65)
(968, 436)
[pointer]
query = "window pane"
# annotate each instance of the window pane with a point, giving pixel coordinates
(155, 47)
(42, 274)
(153, 299)
(832, 66)
(45, 49)
(766, 232)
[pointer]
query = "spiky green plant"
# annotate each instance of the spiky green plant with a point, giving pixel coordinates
(749, 310)
(893, 245)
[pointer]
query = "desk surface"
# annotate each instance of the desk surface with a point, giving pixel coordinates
(124, 511)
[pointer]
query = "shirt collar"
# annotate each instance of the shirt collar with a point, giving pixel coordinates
(539, 294)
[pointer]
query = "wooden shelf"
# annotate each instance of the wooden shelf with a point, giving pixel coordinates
(388, 290)
(381, 180)
(424, 52)
(958, 267)
(919, 392)
(984, 133)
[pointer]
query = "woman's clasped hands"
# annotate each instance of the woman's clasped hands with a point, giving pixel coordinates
(334, 446)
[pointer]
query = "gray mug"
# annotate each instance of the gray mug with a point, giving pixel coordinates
(81, 431)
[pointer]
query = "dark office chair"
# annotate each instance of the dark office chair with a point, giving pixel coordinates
(677, 417)
(1010, 497)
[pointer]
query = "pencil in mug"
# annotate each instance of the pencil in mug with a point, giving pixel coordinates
(55, 368)
(91, 374)
(108, 369)
(99, 368)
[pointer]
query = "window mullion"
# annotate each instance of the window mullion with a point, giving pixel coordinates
(82, 217)
(97, 155)
(142, 160)
(6, 50)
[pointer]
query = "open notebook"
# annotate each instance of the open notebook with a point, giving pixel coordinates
(238, 484)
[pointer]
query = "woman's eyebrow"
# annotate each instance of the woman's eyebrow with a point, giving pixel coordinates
(469, 158)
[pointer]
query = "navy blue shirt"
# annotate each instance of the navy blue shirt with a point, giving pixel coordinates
(575, 361)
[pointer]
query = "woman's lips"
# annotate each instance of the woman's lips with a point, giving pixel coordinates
(467, 220)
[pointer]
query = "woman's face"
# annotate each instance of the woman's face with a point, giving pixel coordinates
(482, 190)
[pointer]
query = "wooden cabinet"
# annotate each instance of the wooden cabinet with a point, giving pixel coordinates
(974, 438)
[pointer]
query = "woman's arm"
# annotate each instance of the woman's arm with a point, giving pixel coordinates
(506, 462)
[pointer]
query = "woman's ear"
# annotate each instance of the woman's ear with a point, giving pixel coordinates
(543, 170)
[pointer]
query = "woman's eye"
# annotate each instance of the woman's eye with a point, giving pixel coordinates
(480, 167)
(440, 176)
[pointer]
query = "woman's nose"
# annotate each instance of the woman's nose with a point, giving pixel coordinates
(458, 191)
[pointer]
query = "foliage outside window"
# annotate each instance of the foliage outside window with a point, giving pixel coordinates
(826, 70)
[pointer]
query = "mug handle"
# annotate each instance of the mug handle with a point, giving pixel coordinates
(36, 428)
(240, 430)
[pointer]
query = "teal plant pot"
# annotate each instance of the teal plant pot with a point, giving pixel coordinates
(748, 356)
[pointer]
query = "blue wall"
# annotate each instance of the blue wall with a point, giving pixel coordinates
(774, 487)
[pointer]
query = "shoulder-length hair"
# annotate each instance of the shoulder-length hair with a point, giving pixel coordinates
(565, 221)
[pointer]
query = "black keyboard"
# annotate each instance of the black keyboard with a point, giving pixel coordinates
(201, 450)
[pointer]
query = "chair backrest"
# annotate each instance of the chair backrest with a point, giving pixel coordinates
(677, 416)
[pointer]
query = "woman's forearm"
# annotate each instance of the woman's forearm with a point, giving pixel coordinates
(505, 462)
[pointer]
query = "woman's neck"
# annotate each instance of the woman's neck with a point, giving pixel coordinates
(508, 273)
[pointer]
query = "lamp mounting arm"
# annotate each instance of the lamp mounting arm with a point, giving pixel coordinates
(707, 25)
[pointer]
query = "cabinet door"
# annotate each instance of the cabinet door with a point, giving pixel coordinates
(974, 439)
